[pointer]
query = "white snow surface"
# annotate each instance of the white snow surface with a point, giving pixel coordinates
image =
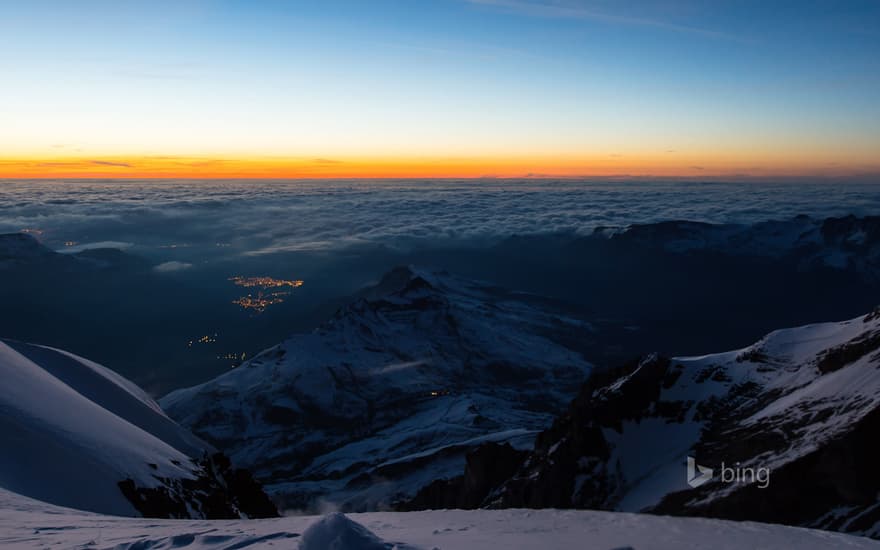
(26, 523)
(72, 430)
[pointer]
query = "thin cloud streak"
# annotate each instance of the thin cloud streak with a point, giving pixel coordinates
(556, 11)
(109, 163)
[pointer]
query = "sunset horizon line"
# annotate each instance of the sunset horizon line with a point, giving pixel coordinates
(566, 167)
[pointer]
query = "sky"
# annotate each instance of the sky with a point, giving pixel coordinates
(439, 88)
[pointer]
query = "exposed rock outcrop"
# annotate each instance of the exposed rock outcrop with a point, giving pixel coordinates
(218, 491)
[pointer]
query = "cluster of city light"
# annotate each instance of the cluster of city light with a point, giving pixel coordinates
(262, 300)
(236, 359)
(207, 339)
(265, 282)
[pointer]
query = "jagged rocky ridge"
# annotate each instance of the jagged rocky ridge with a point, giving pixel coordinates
(76, 434)
(848, 242)
(802, 403)
(393, 390)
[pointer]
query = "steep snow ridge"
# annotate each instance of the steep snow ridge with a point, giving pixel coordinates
(26, 523)
(812, 407)
(114, 393)
(76, 434)
(64, 448)
(423, 360)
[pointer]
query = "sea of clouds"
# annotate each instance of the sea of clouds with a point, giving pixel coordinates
(262, 217)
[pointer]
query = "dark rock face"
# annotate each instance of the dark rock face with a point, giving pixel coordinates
(501, 477)
(841, 475)
(840, 356)
(576, 446)
(851, 232)
(487, 467)
(218, 492)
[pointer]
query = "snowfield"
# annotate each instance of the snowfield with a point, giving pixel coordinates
(26, 523)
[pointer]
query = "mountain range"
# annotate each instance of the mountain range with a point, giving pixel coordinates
(429, 390)
(784, 429)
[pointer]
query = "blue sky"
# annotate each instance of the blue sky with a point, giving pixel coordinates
(738, 84)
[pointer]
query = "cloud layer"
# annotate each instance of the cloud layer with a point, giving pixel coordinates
(258, 217)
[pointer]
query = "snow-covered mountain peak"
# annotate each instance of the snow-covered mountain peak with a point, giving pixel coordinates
(415, 370)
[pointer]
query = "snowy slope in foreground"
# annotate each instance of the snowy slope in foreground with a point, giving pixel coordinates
(77, 434)
(25, 523)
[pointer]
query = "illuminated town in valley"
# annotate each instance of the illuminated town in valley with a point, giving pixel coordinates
(206, 339)
(264, 282)
(263, 299)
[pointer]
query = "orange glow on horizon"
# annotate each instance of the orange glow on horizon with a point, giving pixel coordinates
(612, 165)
